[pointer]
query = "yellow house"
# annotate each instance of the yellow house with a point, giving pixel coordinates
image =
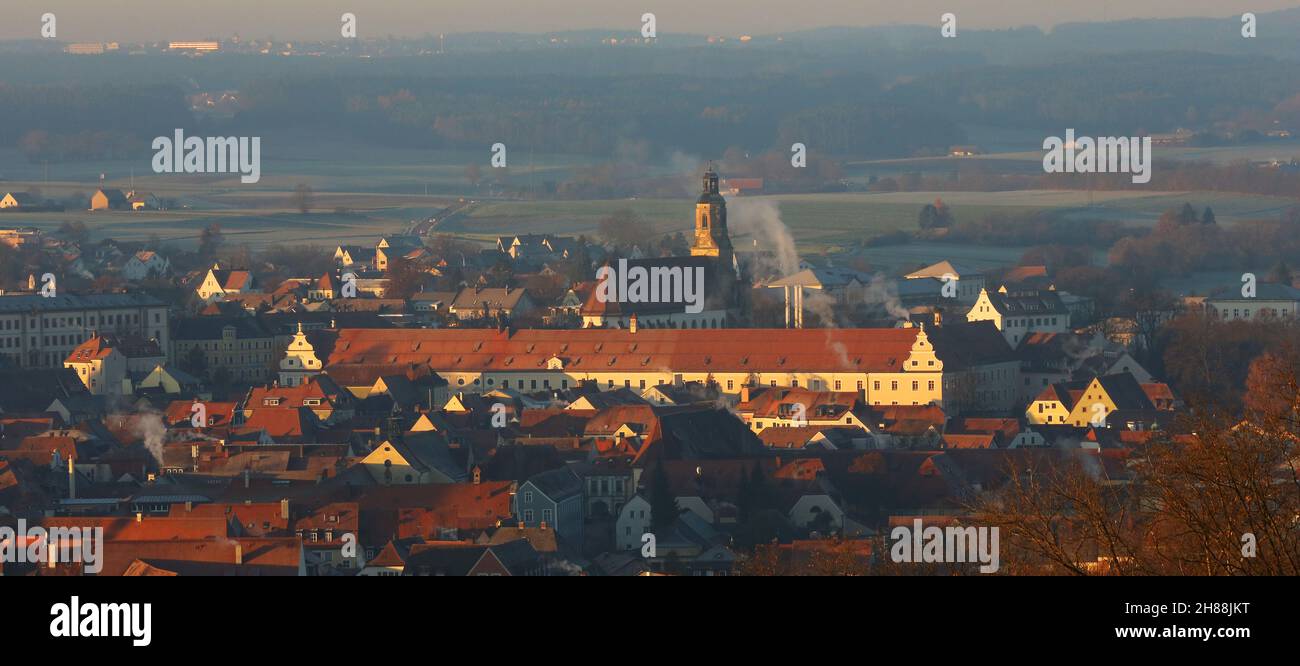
(1051, 406)
(100, 366)
(391, 247)
(1090, 403)
(18, 200)
(1093, 406)
(109, 199)
(218, 283)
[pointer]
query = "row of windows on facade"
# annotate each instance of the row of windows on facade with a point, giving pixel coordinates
(547, 516)
(1246, 314)
(65, 340)
(220, 346)
(672, 323)
(1035, 321)
(603, 486)
(61, 322)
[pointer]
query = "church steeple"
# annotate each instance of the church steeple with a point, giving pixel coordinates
(711, 239)
(710, 182)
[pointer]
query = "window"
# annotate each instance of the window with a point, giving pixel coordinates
(528, 516)
(528, 496)
(547, 516)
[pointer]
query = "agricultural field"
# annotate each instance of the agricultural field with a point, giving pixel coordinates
(382, 190)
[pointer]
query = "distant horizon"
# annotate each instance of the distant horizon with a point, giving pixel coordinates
(319, 21)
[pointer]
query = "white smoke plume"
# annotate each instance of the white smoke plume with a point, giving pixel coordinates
(883, 292)
(149, 427)
(761, 220)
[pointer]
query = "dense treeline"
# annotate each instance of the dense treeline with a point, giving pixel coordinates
(869, 106)
(1118, 95)
(133, 110)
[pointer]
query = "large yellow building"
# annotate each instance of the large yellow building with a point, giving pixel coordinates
(885, 366)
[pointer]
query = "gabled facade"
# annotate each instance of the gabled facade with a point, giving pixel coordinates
(553, 499)
(1019, 314)
(145, 264)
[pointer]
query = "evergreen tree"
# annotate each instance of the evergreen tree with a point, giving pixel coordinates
(928, 218)
(1207, 216)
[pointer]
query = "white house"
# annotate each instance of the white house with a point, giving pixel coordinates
(633, 521)
(1019, 313)
(145, 264)
(1268, 300)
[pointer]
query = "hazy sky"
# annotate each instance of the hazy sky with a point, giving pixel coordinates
(140, 20)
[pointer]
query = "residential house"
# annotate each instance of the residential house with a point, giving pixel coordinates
(554, 499)
(145, 264)
(490, 302)
(18, 201)
(220, 283)
(1018, 314)
(109, 199)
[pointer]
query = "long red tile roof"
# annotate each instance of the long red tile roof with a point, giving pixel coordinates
(611, 350)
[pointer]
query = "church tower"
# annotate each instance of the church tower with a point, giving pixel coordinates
(711, 239)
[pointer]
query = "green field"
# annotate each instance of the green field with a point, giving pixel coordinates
(375, 191)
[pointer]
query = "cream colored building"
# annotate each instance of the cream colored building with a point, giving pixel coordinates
(884, 366)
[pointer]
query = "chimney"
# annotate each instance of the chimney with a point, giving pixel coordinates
(139, 517)
(521, 524)
(72, 481)
(744, 393)
(478, 475)
(284, 509)
(246, 475)
(239, 554)
(542, 524)
(631, 324)
(189, 506)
